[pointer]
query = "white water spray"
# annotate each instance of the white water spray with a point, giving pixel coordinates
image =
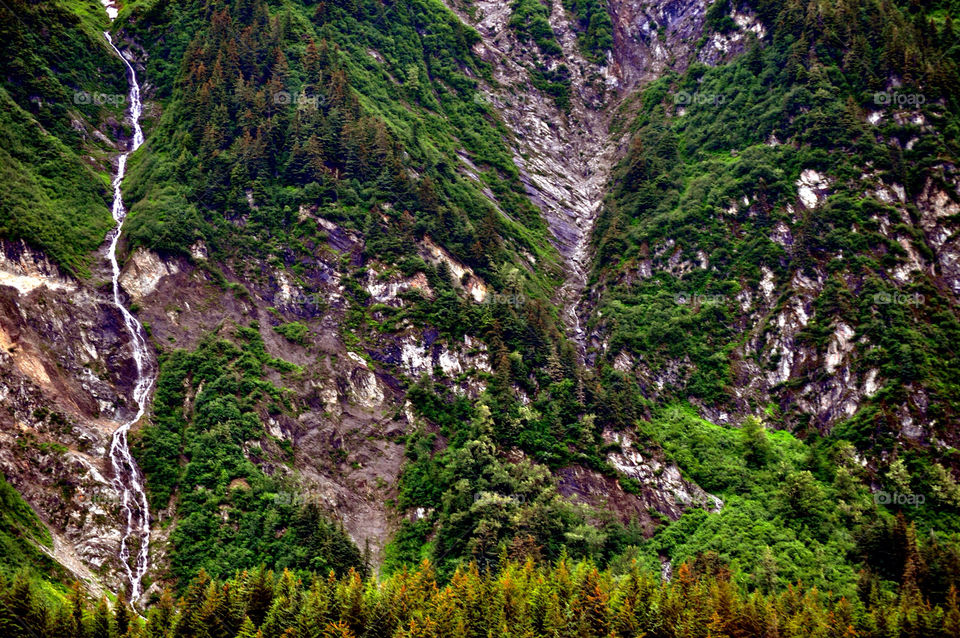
(128, 478)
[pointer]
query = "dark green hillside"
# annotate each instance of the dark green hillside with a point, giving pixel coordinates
(714, 138)
(387, 406)
(373, 113)
(321, 106)
(59, 83)
(711, 177)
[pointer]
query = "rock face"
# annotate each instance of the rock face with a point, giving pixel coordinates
(66, 368)
(659, 486)
(65, 373)
(672, 493)
(776, 364)
(565, 156)
(640, 53)
(26, 270)
(475, 288)
(936, 208)
(144, 273)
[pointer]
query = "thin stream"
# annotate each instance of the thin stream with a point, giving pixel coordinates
(128, 479)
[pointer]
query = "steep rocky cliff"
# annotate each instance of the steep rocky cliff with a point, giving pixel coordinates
(463, 278)
(68, 371)
(67, 376)
(565, 152)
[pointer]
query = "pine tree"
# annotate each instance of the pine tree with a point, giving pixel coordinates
(76, 600)
(351, 602)
(767, 571)
(590, 608)
(951, 619)
(18, 608)
(101, 621)
(248, 630)
(61, 625)
(122, 615)
(756, 445)
(286, 606)
(161, 617)
(260, 591)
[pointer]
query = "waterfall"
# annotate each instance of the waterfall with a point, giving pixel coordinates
(128, 479)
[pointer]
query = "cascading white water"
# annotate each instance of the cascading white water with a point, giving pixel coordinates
(128, 479)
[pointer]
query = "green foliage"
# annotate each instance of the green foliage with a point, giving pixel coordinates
(480, 505)
(52, 51)
(792, 510)
(718, 18)
(489, 503)
(208, 410)
(718, 459)
(55, 60)
(530, 19)
(757, 447)
(408, 546)
(594, 26)
(555, 83)
(50, 198)
(562, 598)
(22, 535)
(294, 331)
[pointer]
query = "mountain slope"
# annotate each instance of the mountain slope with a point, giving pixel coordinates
(61, 89)
(781, 236)
(662, 287)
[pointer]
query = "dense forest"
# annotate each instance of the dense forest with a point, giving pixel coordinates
(523, 598)
(344, 143)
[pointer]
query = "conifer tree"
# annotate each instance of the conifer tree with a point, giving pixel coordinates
(161, 617)
(247, 630)
(101, 626)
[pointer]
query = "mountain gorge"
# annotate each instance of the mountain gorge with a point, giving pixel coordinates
(598, 307)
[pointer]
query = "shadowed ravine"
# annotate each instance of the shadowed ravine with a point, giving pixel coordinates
(564, 158)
